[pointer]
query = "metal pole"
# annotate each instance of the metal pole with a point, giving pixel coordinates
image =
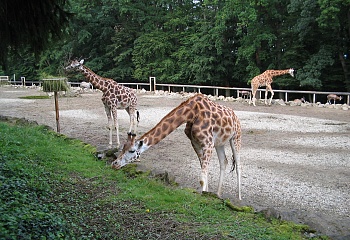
(57, 113)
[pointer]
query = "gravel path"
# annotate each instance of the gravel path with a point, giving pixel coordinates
(295, 160)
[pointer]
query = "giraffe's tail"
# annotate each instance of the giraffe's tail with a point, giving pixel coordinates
(235, 155)
(233, 163)
(137, 116)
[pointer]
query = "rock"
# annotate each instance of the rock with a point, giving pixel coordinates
(221, 98)
(271, 213)
(280, 102)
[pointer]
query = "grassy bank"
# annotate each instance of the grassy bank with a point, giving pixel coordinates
(53, 187)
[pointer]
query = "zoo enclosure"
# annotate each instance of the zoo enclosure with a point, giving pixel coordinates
(232, 91)
(152, 85)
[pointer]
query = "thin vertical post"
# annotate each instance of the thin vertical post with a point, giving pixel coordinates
(57, 112)
(154, 83)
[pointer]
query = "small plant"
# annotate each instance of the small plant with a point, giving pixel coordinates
(55, 85)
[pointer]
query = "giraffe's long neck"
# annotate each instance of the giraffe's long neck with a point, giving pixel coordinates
(96, 80)
(274, 73)
(178, 116)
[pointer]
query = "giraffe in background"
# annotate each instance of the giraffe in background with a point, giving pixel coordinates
(265, 79)
(208, 126)
(115, 96)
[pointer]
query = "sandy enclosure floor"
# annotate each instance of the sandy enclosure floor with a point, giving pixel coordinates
(295, 160)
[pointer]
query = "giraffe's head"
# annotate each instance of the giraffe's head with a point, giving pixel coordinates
(75, 64)
(291, 72)
(131, 152)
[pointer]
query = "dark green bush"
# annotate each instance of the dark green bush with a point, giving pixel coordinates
(24, 213)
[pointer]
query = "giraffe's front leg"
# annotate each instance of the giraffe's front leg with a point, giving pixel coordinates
(252, 98)
(204, 154)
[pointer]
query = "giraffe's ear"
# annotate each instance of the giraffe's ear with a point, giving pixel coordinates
(81, 61)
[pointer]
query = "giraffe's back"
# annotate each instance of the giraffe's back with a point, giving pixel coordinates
(216, 120)
(120, 97)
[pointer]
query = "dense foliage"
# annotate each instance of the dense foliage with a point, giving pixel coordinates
(29, 24)
(223, 43)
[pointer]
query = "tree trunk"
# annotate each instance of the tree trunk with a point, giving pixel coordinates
(345, 71)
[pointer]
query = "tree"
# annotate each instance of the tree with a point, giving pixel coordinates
(30, 24)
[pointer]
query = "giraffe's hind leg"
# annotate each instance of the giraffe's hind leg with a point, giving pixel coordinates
(133, 115)
(268, 88)
(236, 162)
(116, 126)
(223, 163)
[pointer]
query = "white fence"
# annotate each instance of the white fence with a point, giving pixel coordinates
(235, 92)
(311, 96)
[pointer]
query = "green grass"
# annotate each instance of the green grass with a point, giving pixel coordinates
(53, 187)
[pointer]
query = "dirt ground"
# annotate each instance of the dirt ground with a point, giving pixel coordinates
(295, 160)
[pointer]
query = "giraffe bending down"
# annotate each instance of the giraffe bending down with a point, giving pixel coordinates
(114, 97)
(265, 79)
(208, 126)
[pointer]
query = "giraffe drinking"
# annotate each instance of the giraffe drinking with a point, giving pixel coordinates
(208, 126)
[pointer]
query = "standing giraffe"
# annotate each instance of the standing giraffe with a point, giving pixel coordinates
(114, 97)
(265, 79)
(208, 126)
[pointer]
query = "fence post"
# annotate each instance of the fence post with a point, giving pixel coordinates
(23, 81)
(150, 83)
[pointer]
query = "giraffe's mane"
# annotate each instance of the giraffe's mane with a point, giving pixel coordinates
(106, 79)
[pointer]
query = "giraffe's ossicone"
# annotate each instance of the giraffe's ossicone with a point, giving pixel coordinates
(209, 126)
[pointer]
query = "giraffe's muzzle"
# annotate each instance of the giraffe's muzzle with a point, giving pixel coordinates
(115, 165)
